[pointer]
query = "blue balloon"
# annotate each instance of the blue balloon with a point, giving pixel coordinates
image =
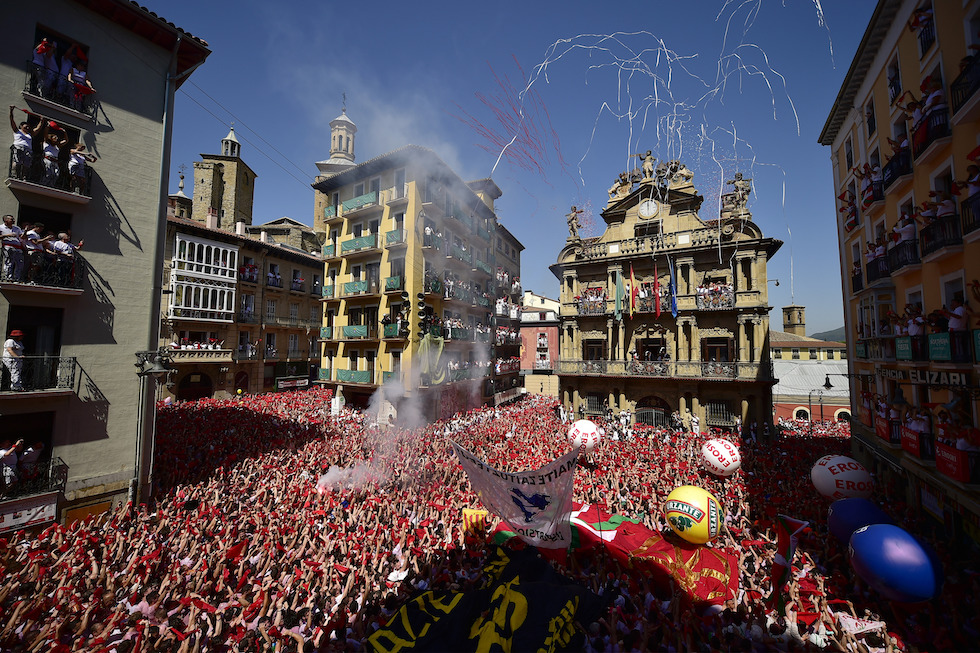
(848, 515)
(894, 564)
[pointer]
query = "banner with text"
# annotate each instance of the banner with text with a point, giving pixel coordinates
(537, 504)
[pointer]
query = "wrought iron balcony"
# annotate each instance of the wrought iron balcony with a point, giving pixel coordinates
(201, 314)
(356, 287)
(965, 85)
(395, 237)
(933, 127)
(244, 353)
(543, 365)
(392, 330)
(359, 332)
(354, 376)
(461, 254)
(323, 374)
(326, 333)
(273, 282)
(716, 301)
(927, 36)
(50, 178)
(328, 291)
(359, 202)
(248, 275)
(483, 267)
(42, 271)
(199, 356)
(878, 269)
(898, 166)
(970, 213)
(39, 477)
(432, 240)
(359, 244)
(37, 373)
(455, 333)
(329, 251)
(592, 307)
(53, 88)
(297, 285)
(941, 232)
(904, 253)
(857, 282)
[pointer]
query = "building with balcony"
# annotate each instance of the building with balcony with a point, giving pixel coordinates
(85, 316)
(241, 306)
(909, 253)
(539, 344)
(650, 322)
(415, 265)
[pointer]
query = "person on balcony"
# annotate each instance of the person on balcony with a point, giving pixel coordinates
(24, 136)
(935, 99)
(64, 250)
(8, 462)
(45, 67)
(53, 142)
(77, 164)
(13, 358)
(972, 182)
(12, 238)
(81, 85)
(36, 252)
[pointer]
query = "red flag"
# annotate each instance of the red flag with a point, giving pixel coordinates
(656, 289)
(634, 291)
(235, 552)
(787, 531)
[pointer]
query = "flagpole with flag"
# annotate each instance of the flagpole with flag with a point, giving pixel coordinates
(656, 289)
(673, 288)
(620, 295)
(634, 291)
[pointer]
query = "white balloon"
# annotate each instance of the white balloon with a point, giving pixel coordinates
(840, 477)
(584, 433)
(721, 457)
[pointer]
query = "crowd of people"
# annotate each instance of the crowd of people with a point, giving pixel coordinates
(43, 153)
(278, 526)
(63, 81)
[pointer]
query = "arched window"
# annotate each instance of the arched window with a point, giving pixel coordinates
(801, 413)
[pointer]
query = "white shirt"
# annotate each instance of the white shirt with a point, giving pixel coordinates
(11, 235)
(63, 248)
(958, 320)
(12, 344)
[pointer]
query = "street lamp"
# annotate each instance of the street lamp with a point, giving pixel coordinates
(827, 385)
(149, 365)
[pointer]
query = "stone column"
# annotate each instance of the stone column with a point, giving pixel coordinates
(695, 341)
(742, 340)
(576, 353)
(681, 340)
(621, 345)
(575, 402)
(758, 336)
(696, 410)
(685, 270)
(612, 400)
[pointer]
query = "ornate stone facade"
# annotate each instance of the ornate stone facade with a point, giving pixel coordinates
(696, 339)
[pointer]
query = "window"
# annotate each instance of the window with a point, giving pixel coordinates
(848, 155)
(358, 189)
(869, 117)
(796, 354)
(374, 186)
(355, 273)
(270, 308)
(894, 80)
(293, 344)
(717, 350)
(335, 202)
(294, 311)
(399, 183)
(813, 354)
(270, 342)
(777, 354)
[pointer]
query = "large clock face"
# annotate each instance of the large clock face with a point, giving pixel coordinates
(648, 208)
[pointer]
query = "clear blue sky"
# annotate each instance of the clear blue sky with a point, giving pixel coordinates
(723, 86)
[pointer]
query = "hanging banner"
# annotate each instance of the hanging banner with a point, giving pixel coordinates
(537, 504)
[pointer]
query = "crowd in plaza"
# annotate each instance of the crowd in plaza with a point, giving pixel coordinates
(276, 526)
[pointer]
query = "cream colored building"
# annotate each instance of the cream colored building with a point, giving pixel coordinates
(913, 50)
(712, 359)
(85, 319)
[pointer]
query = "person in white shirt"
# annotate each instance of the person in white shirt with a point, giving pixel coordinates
(13, 358)
(24, 136)
(65, 263)
(35, 249)
(77, 163)
(8, 462)
(12, 238)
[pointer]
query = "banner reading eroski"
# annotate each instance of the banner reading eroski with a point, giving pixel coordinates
(537, 504)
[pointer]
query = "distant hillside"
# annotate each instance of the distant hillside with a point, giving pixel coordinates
(837, 335)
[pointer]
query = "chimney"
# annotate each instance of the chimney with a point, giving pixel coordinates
(212, 220)
(794, 320)
(240, 228)
(264, 236)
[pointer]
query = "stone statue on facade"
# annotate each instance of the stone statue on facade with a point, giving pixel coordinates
(740, 193)
(573, 223)
(682, 177)
(621, 187)
(648, 161)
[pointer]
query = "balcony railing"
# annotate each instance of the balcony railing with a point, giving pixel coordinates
(36, 373)
(297, 354)
(200, 356)
(246, 354)
(323, 374)
(927, 36)
(950, 346)
(941, 232)
(360, 243)
(888, 430)
(716, 301)
(354, 376)
(328, 291)
(898, 166)
(395, 237)
(39, 478)
(965, 85)
(359, 331)
(903, 253)
(461, 254)
(857, 282)
(592, 307)
(543, 365)
(933, 127)
(919, 444)
(356, 287)
(394, 284)
(45, 173)
(878, 269)
(361, 201)
(959, 465)
(483, 267)
(273, 282)
(326, 333)
(911, 348)
(316, 289)
(432, 240)
(55, 88)
(455, 333)
(669, 369)
(297, 285)
(189, 313)
(970, 213)
(329, 251)
(248, 275)
(480, 300)
(329, 212)
(392, 330)
(41, 269)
